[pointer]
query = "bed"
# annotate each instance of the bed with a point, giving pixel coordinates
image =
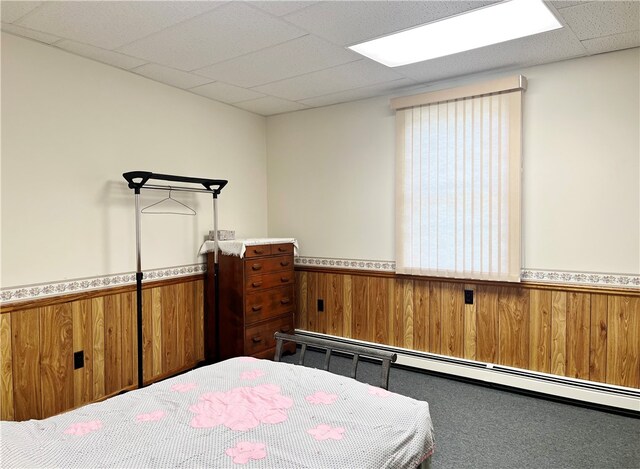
(242, 412)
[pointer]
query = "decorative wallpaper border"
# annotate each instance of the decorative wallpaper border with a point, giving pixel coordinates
(356, 264)
(534, 275)
(43, 290)
(582, 278)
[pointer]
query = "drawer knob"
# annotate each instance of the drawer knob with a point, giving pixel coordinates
(256, 284)
(256, 307)
(284, 279)
(258, 251)
(284, 263)
(256, 266)
(281, 249)
(285, 301)
(257, 339)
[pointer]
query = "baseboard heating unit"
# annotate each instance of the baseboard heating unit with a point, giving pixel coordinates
(559, 387)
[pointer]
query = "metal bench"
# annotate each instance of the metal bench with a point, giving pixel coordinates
(330, 346)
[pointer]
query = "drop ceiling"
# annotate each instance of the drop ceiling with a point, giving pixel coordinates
(271, 57)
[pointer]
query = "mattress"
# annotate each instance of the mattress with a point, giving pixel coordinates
(242, 412)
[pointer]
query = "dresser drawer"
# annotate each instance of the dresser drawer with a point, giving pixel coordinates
(276, 279)
(258, 250)
(268, 303)
(269, 264)
(260, 337)
(285, 248)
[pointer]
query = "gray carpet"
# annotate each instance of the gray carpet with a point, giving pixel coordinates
(479, 427)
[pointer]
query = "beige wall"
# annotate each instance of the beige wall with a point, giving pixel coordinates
(71, 127)
(330, 170)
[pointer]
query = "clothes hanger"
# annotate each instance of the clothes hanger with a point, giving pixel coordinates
(168, 211)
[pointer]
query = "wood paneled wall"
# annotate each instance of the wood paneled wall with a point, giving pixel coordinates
(38, 340)
(583, 334)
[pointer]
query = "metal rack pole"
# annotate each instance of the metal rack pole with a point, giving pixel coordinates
(139, 290)
(216, 283)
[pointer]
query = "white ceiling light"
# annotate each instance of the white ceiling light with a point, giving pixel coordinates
(478, 28)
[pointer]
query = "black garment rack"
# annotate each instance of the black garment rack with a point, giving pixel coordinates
(140, 180)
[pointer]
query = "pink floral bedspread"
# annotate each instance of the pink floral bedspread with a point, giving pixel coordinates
(239, 413)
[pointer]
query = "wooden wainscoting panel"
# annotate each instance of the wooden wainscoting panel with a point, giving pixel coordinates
(379, 308)
(112, 343)
(487, 323)
(452, 306)
(27, 391)
(578, 334)
(435, 317)
(312, 301)
(360, 325)
(623, 344)
(56, 358)
(129, 339)
(6, 369)
(347, 295)
(540, 330)
(37, 346)
(420, 315)
(83, 342)
(321, 285)
(334, 304)
(170, 360)
(147, 335)
(98, 347)
(558, 332)
(156, 331)
(301, 300)
(404, 301)
(598, 341)
(513, 327)
(189, 315)
(180, 319)
(198, 291)
(470, 325)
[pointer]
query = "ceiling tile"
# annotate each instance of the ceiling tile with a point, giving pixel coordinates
(597, 19)
(546, 47)
(229, 31)
(560, 4)
(281, 8)
(270, 105)
(101, 55)
(108, 24)
(171, 76)
(302, 55)
(30, 33)
(358, 93)
(13, 11)
(347, 23)
(226, 93)
(332, 80)
(611, 43)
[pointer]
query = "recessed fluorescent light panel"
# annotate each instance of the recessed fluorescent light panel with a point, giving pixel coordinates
(478, 28)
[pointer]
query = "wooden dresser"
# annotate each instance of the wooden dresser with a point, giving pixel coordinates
(256, 299)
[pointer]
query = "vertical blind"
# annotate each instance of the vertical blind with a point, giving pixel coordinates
(458, 171)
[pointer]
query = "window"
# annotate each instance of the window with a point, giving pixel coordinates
(458, 171)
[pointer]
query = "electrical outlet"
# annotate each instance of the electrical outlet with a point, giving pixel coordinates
(78, 359)
(320, 305)
(468, 297)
